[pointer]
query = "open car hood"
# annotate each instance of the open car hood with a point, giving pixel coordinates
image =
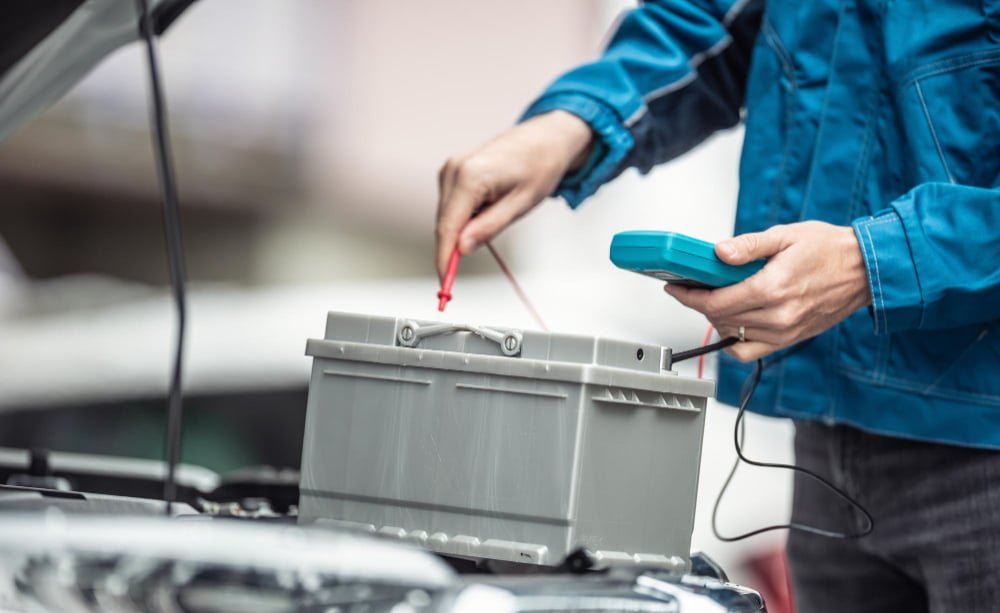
(50, 46)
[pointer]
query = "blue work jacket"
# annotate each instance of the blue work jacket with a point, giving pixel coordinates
(880, 114)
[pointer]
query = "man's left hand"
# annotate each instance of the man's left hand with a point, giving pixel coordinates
(815, 277)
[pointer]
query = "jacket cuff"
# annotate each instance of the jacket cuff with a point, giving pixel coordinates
(897, 303)
(613, 144)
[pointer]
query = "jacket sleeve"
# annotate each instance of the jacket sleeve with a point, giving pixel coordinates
(674, 72)
(933, 258)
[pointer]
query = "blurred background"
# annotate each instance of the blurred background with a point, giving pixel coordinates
(308, 136)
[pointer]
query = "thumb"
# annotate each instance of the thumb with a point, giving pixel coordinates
(749, 247)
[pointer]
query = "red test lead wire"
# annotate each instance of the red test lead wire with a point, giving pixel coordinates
(449, 279)
(517, 287)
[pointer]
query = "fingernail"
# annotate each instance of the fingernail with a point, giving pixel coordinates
(727, 248)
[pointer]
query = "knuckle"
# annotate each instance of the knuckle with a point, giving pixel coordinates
(778, 286)
(469, 170)
(758, 283)
(773, 292)
(474, 176)
(779, 277)
(786, 318)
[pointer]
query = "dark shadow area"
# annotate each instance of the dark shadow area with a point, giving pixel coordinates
(222, 432)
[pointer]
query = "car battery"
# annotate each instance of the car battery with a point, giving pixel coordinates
(495, 443)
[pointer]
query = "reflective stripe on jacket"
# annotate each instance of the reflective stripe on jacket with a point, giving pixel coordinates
(880, 114)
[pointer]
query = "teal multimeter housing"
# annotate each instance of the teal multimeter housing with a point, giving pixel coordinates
(676, 258)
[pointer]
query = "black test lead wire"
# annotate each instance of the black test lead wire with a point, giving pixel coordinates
(739, 432)
(175, 249)
(698, 351)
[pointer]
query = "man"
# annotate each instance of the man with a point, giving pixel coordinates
(868, 178)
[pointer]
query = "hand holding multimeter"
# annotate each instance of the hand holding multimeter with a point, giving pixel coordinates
(676, 259)
(815, 277)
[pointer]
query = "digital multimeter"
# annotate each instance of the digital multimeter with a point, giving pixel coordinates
(676, 258)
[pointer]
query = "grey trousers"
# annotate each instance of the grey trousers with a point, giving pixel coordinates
(936, 543)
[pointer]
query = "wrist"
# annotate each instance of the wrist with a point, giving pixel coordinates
(854, 261)
(576, 138)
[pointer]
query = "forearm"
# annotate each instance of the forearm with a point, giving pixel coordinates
(673, 73)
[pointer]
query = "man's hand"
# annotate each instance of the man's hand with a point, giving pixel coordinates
(505, 179)
(814, 278)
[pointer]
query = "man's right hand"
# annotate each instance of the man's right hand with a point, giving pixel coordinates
(505, 179)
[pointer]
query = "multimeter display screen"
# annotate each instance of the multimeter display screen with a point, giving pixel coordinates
(669, 277)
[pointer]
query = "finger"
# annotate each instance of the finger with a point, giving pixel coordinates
(446, 178)
(463, 198)
(721, 303)
(752, 246)
(751, 350)
(691, 297)
(771, 337)
(778, 318)
(490, 221)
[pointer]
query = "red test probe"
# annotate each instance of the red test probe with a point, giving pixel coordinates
(449, 279)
